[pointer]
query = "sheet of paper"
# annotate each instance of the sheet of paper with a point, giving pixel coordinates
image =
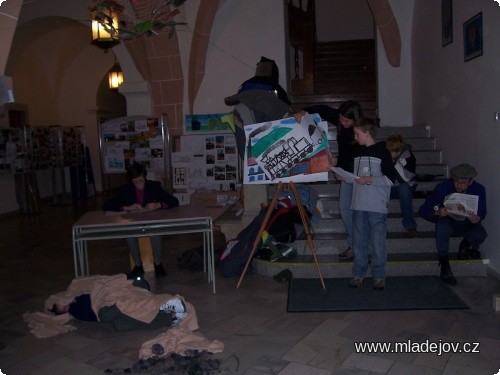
(461, 204)
(347, 176)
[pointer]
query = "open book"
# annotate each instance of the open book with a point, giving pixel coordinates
(138, 211)
(461, 204)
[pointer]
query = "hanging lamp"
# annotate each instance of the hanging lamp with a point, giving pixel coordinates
(115, 76)
(105, 29)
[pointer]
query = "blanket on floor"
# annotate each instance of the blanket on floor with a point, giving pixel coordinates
(135, 302)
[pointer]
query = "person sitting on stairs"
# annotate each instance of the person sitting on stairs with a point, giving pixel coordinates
(470, 227)
(141, 194)
(405, 164)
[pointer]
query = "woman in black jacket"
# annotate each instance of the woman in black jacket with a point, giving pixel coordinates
(141, 194)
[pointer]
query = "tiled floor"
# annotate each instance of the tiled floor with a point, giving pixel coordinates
(260, 337)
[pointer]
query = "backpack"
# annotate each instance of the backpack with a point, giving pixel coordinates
(282, 224)
(233, 259)
(192, 259)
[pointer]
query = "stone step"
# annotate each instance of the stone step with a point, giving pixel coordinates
(405, 131)
(397, 243)
(330, 189)
(335, 225)
(331, 205)
(305, 267)
(409, 133)
(434, 169)
(417, 144)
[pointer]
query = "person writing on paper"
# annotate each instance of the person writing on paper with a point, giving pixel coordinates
(469, 227)
(405, 164)
(141, 194)
(344, 118)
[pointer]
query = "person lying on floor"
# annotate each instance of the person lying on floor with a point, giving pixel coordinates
(127, 304)
(170, 313)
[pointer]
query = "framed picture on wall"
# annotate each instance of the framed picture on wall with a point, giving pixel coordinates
(473, 37)
(447, 22)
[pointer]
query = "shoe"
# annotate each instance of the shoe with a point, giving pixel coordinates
(280, 251)
(446, 275)
(355, 282)
(347, 254)
(474, 254)
(412, 233)
(177, 318)
(378, 284)
(283, 276)
(464, 250)
(136, 271)
(159, 270)
(175, 305)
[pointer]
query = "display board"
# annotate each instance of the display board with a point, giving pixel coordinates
(209, 123)
(34, 148)
(135, 139)
(14, 147)
(207, 161)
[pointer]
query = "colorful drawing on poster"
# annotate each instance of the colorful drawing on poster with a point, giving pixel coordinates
(209, 123)
(284, 150)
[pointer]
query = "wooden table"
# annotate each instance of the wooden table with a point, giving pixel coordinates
(98, 225)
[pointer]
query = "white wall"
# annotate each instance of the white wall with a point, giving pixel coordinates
(395, 84)
(241, 34)
(458, 99)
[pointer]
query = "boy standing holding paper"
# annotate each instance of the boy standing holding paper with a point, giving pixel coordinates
(470, 227)
(370, 204)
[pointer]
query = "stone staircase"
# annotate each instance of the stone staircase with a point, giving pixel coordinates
(406, 256)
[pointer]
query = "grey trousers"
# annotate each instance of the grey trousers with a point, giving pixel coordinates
(135, 252)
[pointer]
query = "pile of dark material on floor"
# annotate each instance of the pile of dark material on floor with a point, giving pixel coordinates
(194, 362)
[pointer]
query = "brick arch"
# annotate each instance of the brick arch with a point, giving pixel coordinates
(199, 45)
(388, 27)
(158, 60)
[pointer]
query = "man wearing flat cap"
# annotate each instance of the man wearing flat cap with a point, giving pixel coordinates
(469, 227)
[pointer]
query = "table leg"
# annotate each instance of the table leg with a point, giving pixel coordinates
(75, 253)
(211, 254)
(86, 256)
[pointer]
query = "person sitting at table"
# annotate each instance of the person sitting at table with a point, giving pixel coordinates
(141, 194)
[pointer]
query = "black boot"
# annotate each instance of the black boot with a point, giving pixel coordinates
(446, 275)
(464, 250)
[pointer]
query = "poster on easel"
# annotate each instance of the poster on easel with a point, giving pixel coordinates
(207, 161)
(286, 151)
(135, 139)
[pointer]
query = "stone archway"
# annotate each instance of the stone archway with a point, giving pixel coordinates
(387, 25)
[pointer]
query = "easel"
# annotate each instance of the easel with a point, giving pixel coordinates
(305, 222)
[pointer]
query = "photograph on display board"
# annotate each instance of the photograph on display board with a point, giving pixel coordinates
(209, 123)
(130, 140)
(286, 151)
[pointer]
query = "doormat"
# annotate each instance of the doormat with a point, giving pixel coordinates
(401, 293)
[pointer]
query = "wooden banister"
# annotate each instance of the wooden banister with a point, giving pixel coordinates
(302, 36)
